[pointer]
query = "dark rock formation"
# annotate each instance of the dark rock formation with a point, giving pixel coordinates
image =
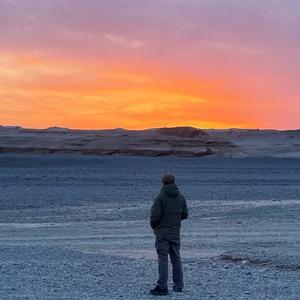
(180, 141)
(184, 132)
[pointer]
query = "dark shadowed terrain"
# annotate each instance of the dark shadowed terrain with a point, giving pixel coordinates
(76, 227)
(174, 141)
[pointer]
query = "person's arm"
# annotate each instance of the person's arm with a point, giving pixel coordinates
(185, 212)
(155, 213)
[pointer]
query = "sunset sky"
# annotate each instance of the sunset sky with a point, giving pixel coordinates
(150, 63)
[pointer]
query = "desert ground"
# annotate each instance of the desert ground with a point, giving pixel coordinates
(76, 227)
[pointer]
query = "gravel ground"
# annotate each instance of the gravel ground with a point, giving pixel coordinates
(76, 227)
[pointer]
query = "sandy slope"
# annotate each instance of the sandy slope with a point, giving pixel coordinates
(258, 143)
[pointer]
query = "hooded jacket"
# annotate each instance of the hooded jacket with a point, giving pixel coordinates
(168, 210)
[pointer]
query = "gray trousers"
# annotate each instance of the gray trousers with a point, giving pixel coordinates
(164, 248)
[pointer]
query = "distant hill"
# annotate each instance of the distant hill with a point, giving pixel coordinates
(179, 141)
(259, 143)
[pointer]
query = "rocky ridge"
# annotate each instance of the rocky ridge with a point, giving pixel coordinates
(179, 141)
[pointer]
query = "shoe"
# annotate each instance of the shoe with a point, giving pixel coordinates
(177, 290)
(158, 291)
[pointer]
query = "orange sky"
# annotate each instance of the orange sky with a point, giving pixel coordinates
(106, 73)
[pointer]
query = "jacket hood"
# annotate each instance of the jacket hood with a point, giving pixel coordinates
(170, 190)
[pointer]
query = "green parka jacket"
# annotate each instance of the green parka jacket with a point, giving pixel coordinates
(168, 210)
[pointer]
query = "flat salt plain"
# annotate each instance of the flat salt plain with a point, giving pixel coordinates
(76, 227)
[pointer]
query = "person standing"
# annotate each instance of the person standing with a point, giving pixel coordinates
(168, 210)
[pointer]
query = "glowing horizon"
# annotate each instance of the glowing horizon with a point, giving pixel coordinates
(126, 63)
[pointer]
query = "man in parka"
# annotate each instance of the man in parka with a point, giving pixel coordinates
(167, 212)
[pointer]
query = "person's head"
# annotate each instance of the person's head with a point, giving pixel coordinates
(168, 179)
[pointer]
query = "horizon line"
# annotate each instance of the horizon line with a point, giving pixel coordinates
(149, 128)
